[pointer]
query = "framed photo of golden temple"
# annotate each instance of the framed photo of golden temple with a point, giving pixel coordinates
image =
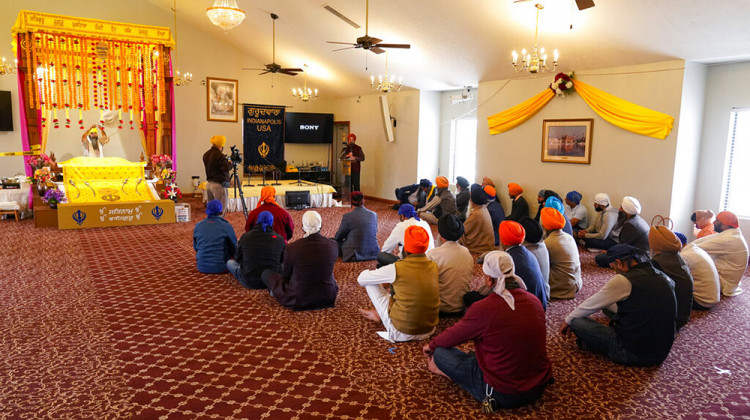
(221, 96)
(567, 141)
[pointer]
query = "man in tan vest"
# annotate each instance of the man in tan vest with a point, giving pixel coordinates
(409, 311)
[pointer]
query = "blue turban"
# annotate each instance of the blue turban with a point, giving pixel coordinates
(555, 203)
(265, 220)
(425, 183)
(682, 237)
(408, 211)
(213, 208)
(574, 196)
(478, 196)
(463, 182)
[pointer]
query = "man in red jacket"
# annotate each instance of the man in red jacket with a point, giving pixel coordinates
(510, 367)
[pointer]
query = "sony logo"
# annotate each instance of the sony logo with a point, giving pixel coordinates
(308, 127)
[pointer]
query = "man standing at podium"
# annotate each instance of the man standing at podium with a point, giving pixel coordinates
(355, 154)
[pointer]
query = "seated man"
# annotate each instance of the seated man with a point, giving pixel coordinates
(598, 235)
(519, 207)
(442, 202)
(497, 214)
(704, 221)
(214, 241)
(306, 281)
(564, 262)
(455, 266)
(665, 248)
(555, 203)
(533, 242)
(706, 284)
(633, 229)
(409, 311)
(575, 212)
(478, 236)
(414, 194)
(643, 331)
(541, 198)
(728, 250)
(408, 217)
(282, 220)
(463, 196)
(527, 267)
(510, 367)
(358, 231)
(259, 249)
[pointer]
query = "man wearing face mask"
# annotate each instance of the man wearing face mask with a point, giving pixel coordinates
(642, 331)
(729, 251)
(596, 236)
(633, 229)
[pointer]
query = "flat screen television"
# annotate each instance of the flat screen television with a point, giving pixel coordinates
(6, 111)
(297, 199)
(305, 127)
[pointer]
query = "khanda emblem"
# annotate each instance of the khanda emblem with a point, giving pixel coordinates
(79, 217)
(157, 212)
(263, 149)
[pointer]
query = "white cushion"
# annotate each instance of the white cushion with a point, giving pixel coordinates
(9, 206)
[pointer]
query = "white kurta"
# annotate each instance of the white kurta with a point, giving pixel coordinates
(396, 238)
(564, 265)
(706, 285)
(729, 251)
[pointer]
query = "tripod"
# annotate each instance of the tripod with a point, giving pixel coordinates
(237, 182)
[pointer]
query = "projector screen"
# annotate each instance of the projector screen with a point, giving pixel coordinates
(303, 127)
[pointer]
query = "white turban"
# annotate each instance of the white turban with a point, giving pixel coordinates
(631, 205)
(499, 265)
(602, 199)
(311, 222)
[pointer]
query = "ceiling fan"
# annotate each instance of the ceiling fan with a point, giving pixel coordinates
(368, 42)
(582, 4)
(273, 67)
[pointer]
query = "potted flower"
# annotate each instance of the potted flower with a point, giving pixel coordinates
(38, 162)
(162, 166)
(172, 192)
(54, 196)
(43, 177)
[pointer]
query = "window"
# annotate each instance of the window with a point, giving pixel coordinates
(463, 149)
(735, 195)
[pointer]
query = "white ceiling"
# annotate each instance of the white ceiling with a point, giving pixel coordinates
(458, 43)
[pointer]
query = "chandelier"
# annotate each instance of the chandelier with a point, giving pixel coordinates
(305, 94)
(178, 79)
(225, 14)
(6, 68)
(537, 60)
(385, 84)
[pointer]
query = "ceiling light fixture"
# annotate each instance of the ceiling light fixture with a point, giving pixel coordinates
(225, 14)
(177, 78)
(385, 84)
(305, 94)
(536, 61)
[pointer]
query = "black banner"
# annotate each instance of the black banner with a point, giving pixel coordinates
(263, 136)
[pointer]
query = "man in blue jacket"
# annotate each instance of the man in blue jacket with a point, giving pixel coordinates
(358, 231)
(214, 241)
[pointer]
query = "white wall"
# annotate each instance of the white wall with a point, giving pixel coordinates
(387, 165)
(725, 89)
(200, 53)
(429, 135)
(688, 147)
(448, 113)
(622, 163)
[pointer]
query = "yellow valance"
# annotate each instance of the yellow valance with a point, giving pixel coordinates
(519, 114)
(29, 21)
(624, 114)
(616, 111)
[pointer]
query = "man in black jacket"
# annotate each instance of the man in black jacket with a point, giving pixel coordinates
(633, 230)
(217, 172)
(259, 249)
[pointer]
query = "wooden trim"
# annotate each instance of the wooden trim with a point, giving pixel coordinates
(382, 200)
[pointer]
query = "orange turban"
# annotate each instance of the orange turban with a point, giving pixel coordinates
(728, 218)
(416, 240)
(514, 189)
(487, 181)
(511, 233)
(552, 219)
(267, 195)
(490, 190)
(661, 239)
(441, 182)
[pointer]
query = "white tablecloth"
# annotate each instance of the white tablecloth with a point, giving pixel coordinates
(20, 195)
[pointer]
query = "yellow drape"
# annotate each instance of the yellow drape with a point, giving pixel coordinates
(624, 114)
(517, 115)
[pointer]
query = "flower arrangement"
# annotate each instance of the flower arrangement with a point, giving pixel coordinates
(172, 192)
(43, 175)
(38, 162)
(54, 196)
(161, 161)
(563, 84)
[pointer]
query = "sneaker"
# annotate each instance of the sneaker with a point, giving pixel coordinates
(396, 206)
(595, 250)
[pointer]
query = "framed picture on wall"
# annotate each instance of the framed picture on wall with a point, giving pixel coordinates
(567, 141)
(221, 98)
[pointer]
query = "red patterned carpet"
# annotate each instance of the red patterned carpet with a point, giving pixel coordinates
(118, 323)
